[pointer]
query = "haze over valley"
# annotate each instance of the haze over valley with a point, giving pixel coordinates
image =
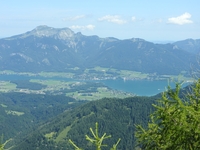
(64, 66)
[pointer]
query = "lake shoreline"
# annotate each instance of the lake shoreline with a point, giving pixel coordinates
(139, 87)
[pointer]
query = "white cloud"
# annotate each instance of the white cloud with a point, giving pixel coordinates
(74, 18)
(87, 27)
(133, 18)
(182, 19)
(90, 27)
(113, 19)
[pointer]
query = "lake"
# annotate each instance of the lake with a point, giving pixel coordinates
(138, 87)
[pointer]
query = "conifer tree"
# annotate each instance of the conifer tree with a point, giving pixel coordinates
(175, 124)
(96, 140)
(2, 145)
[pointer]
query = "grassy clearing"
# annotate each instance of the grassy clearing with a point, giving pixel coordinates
(133, 74)
(102, 93)
(63, 134)
(53, 85)
(7, 72)
(6, 86)
(50, 135)
(70, 103)
(5, 106)
(106, 69)
(16, 113)
(80, 94)
(122, 73)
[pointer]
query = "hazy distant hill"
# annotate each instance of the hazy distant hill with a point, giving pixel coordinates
(189, 45)
(51, 49)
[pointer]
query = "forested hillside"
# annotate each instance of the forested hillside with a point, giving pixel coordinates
(115, 116)
(45, 122)
(21, 113)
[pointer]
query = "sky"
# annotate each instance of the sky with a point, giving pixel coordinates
(152, 20)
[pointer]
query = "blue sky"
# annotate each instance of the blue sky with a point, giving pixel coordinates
(152, 20)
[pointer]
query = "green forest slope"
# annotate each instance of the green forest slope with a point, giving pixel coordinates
(21, 113)
(115, 116)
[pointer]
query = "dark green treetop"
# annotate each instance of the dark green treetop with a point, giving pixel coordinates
(175, 124)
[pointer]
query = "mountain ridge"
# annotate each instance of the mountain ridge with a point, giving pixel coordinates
(190, 45)
(45, 31)
(59, 49)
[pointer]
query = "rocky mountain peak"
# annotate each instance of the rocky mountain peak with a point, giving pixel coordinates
(45, 31)
(58, 33)
(137, 40)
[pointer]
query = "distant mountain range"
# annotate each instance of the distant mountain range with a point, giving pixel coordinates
(189, 45)
(50, 49)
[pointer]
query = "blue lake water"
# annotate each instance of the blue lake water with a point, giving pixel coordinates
(138, 87)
